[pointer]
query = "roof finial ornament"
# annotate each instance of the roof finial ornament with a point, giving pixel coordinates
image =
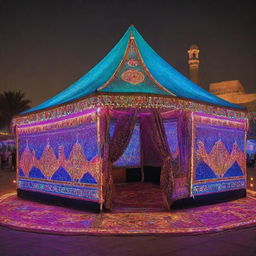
(131, 36)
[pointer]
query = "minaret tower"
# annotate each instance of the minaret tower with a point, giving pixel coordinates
(193, 63)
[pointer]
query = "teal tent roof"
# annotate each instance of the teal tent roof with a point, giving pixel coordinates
(132, 66)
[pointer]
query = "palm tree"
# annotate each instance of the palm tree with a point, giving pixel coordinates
(11, 103)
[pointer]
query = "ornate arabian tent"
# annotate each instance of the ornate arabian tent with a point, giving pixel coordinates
(131, 110)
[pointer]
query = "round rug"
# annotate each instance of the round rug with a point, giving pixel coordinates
(37, 217)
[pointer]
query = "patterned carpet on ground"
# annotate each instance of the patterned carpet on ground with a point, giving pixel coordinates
(129, 197)
(137, 210)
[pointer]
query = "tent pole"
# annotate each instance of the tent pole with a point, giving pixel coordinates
(141, 155)
(99, 143)
(142, 173)
(101, 207)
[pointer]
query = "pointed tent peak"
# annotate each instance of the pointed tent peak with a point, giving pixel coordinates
(160, 70)
(132, 29)
(132, 74)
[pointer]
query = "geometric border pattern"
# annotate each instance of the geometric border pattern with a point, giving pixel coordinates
(65, 190)
(219, 186)
(120, 100)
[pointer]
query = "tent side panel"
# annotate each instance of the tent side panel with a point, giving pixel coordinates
(60, 157)
(219, 155)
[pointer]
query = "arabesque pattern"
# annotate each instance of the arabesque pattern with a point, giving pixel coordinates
(76, 164)
(219, 159)
(133, 76)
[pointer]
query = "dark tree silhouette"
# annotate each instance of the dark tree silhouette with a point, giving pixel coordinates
(11, 103)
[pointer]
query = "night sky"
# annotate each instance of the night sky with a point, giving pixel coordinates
(47, 45)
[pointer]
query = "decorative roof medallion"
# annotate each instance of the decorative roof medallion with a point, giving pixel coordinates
(132, 62)
(132, 76)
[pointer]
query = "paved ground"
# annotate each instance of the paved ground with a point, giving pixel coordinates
(6, 181)
(237, 242)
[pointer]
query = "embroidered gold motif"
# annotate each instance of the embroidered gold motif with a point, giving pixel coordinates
(133, 76)
(76, 164)
(219, 159)
(132, 62)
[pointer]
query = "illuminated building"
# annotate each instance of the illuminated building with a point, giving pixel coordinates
(193, 63)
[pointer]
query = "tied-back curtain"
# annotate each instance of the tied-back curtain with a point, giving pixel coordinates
(184, 148)
(113, 148)
(183, 135)
(181, 165)
(150, 151)
(107, 185)
(122, 135)
(166, 178)
(181, 155)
